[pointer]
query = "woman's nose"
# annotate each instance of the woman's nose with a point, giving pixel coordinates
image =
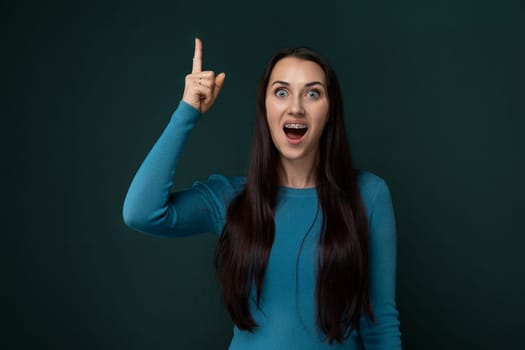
(296, 106)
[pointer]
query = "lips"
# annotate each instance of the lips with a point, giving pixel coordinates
(295, 131)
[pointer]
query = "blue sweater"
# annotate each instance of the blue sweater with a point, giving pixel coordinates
(286, 317)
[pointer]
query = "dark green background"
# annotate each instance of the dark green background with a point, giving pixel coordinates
(434, 95)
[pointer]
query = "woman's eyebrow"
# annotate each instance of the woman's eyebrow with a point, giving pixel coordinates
(280, 82)
(314, 83)
(288, 84)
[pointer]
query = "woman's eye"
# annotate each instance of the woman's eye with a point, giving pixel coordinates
(280, 93)
(313, 94)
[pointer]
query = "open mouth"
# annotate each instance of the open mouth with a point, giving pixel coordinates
(295, 131)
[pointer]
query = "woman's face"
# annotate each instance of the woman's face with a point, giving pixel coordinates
(297, 108)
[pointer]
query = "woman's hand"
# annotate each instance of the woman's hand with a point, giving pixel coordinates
(201, 88)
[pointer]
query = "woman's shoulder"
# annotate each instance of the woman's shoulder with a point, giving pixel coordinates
(236, 183)
(366, 178)
(370, 185)
(221, 187)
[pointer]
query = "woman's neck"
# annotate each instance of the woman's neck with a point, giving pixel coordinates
(299, 173)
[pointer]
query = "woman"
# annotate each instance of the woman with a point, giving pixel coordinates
(307, 249)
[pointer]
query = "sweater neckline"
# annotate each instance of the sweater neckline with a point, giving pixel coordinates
(297, 192)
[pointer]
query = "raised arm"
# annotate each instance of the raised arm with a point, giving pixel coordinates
(149, 206)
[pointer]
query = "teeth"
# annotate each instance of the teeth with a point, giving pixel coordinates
(295, 126)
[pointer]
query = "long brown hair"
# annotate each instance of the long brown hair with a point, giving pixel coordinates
(342, 289)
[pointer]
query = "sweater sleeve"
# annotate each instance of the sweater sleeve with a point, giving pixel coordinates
(149, 207)
(383, 333)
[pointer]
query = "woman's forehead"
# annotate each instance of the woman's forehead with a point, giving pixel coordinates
(292, 69)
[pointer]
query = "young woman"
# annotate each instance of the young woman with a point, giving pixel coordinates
(306, 257)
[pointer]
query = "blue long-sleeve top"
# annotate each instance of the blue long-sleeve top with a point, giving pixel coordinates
(286, 316)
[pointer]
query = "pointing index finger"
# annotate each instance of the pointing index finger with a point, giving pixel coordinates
(197, 56)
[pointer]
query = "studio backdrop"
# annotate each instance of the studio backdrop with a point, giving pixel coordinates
(434, 104)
